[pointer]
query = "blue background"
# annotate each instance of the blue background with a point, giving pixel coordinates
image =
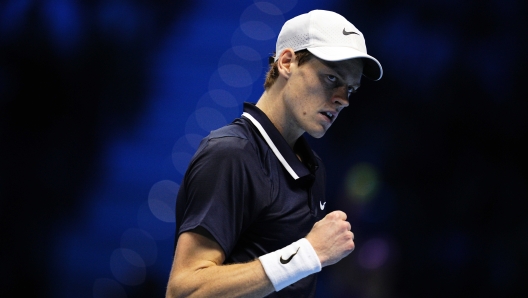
(103, 103)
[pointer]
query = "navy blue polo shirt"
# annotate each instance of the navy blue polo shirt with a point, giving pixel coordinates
(247, 187)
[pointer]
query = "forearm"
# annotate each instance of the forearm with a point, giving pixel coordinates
(198, 268)
(211, 280)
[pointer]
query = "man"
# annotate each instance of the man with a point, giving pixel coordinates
(250, 213)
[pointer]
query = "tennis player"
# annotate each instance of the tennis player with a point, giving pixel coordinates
(251, 213)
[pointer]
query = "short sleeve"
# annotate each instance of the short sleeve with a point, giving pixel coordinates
(218, 192)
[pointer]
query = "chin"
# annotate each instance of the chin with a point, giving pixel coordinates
(317, 134)
(317, 131)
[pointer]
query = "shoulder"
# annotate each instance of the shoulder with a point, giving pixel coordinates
(235, 137)
(233, 142)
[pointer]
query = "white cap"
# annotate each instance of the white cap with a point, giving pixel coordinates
(330, 37)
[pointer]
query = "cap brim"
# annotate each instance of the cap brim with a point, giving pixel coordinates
(371, 68)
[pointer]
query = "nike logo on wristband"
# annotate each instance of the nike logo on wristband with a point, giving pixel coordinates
(283, 261)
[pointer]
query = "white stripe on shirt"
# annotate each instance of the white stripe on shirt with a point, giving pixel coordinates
(272, 146)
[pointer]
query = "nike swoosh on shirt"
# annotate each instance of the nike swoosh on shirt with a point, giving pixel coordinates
(348, 33)
(322, 205)
(283, 261)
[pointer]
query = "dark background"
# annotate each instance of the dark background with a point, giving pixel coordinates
(102, 104)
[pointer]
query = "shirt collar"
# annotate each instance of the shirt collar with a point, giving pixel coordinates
(278, 144)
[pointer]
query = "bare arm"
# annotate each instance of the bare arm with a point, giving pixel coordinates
(197, 271)
(198, 268)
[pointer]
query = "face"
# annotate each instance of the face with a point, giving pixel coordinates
(317, 91)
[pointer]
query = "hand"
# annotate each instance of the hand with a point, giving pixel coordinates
(331, 238)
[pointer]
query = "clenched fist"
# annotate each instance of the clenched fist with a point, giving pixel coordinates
(331, 238)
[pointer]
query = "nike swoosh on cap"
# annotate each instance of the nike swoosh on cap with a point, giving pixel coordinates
(283, 261)
(348, 33)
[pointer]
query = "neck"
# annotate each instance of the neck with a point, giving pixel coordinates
(272, 105)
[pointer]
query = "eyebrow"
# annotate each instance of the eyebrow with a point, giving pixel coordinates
(338, 69)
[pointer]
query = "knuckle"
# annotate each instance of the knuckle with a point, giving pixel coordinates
(349, 237)
(333, 215)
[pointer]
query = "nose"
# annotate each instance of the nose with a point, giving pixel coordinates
(340, 97)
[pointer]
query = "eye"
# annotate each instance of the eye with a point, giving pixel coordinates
(332, 78)
(351, 90)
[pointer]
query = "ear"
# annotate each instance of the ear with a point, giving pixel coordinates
(285, 62)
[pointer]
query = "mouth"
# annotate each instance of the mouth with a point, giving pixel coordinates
(328, 115)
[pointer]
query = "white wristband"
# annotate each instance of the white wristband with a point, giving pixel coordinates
(290, 264)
